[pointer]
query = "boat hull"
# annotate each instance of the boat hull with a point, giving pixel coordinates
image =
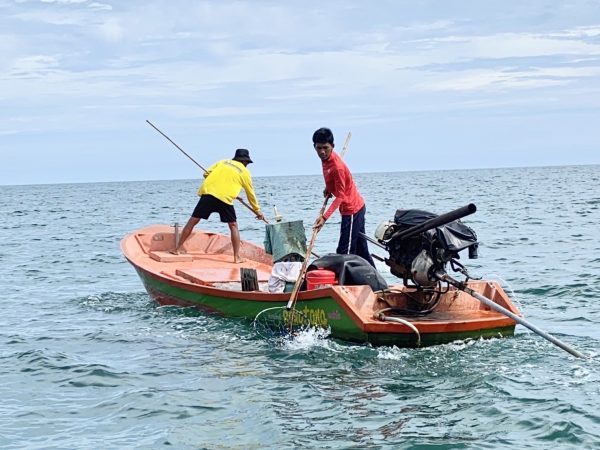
(206, 277)
(321, 309)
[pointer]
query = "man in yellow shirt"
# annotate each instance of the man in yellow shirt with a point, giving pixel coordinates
(223, 182)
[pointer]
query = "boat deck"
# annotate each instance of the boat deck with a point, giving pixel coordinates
(215, 270)
(456, 309)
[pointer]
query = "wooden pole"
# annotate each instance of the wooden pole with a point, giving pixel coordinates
(294, 296)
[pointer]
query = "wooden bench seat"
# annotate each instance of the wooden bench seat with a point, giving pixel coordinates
(210, 276)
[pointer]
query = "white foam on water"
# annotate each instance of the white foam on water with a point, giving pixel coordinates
(309, 338)
(507, 288)
(392, 353)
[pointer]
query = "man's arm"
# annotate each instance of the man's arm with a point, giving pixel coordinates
(338, 191)
(247, 185)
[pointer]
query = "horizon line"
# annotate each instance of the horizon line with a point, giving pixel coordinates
(307, 174)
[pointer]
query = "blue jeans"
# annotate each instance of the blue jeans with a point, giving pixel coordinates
(350, 240)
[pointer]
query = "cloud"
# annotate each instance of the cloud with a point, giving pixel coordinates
(579, 32)
(252, 65)
(111, 30)
(100, 6)
(34, 66)
(476, 80)
(50, 17)
(64, 2)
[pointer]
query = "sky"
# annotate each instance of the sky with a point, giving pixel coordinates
(421, 85)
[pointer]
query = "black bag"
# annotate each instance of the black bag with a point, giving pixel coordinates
(351, 270)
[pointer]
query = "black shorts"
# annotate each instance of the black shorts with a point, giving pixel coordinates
(209, 204)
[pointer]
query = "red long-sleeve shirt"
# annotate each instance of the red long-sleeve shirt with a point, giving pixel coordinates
(339, 182)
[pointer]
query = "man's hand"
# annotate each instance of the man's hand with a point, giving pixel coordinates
(326, 193)
(260, 216)
(319, 223)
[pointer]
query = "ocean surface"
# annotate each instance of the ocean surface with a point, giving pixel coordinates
(88, 361)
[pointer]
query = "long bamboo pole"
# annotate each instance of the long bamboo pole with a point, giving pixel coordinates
(294, 296)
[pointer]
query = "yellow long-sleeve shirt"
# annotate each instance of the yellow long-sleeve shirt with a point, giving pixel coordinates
(225, 179)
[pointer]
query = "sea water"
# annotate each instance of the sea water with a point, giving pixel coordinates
(88, 361)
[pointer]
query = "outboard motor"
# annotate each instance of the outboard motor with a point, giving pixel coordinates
(421, 244)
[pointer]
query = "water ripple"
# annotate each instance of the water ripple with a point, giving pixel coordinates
(89, 361)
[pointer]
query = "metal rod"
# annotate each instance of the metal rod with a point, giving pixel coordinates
(436, 222)
(506, 312)
(372, 241)
(203, 169)
(180, 149)
(176, 231)
(377, 257)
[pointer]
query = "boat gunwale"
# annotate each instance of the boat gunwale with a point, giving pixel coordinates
(370, 325)
(367, 324)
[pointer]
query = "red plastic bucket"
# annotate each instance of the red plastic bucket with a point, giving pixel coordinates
(320, 278)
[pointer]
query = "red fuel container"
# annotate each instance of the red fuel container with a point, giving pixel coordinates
(320, 278)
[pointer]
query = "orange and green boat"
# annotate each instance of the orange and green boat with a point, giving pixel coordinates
(206, 277)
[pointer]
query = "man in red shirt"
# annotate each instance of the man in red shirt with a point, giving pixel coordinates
(339, 183)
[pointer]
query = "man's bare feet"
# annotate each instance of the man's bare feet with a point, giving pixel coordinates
(239, 260)
(176, 252)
